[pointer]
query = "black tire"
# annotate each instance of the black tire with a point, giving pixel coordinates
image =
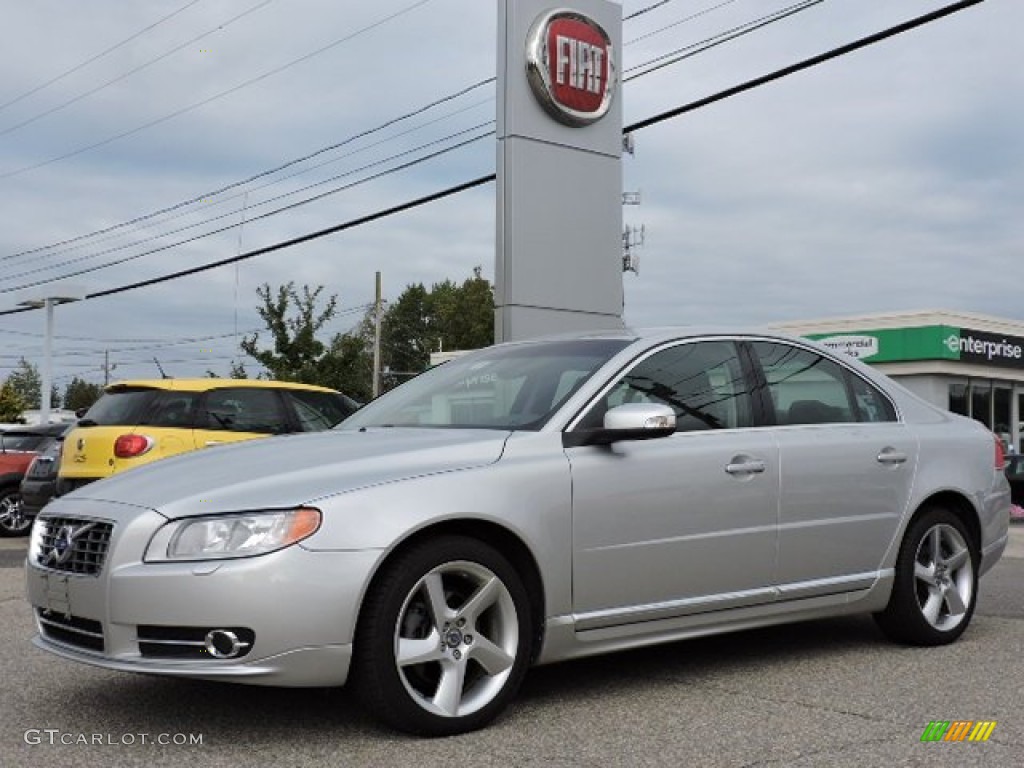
(488, 638)
(12, 520)
(933, 597)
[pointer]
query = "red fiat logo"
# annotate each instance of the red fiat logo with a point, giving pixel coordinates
(571, 67)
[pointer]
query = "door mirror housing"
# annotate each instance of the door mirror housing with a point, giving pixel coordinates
(632, 421)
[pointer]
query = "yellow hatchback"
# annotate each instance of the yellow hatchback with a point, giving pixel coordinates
(138, 422)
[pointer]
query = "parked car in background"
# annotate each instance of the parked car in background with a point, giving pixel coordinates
(19, 446)
(530, 503)
(39, 484)
(138, 422)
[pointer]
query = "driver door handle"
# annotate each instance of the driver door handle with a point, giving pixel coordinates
(750, 467)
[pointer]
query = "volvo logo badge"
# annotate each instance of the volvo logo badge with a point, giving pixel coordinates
(570, 65)
(63, 547)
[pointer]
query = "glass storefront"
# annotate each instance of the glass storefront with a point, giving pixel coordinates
(991, 402)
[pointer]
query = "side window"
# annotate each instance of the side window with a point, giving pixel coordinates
(318, 410)
(804, 387)
(872, 405)
(702, 382)
(243, 410)
(171, 409)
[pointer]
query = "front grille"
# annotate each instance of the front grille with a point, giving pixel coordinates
(73, 545)
(71, 630)
(188, 642)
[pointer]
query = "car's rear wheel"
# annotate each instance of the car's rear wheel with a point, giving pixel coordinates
(13, 521)
(444, 638)
(936, 581)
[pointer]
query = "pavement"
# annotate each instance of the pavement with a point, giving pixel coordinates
(826, 693)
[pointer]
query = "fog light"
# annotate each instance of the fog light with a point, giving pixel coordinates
(223, 644)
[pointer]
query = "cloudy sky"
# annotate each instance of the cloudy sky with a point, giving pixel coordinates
(889, 179)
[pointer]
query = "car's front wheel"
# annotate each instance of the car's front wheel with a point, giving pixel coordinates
(936, 581)
(444, 638)
(13, 521)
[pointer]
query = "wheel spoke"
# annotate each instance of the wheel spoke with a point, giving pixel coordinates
(935, 542)
(449, 690)
(481, 600)
(439, 610)
(492, 658)
(932, 606)
(419, 651)
(954, 602)
(925, 573)
(958, 559)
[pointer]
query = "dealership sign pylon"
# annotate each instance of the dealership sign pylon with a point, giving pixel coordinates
(559, 200)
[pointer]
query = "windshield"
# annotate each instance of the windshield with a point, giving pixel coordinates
(507, 387)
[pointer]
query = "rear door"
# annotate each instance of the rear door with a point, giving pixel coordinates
(847, 468)
(233, 414)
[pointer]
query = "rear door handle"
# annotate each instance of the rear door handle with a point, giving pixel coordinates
(891, 457)
(749, 467)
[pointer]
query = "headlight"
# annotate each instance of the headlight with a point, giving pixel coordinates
(225, 536)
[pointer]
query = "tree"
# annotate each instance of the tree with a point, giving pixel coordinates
(446, 317)
(11, 404)
(293, 320)
(27, 382)
(81, 394)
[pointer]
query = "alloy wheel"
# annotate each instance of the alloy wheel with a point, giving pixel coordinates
(456, 639)
(943, 577)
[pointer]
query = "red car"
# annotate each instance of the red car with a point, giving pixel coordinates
(18, 447)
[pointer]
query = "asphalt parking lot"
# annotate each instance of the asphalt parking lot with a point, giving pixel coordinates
(828, 693)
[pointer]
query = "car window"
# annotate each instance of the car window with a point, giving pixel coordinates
(243, 410)
(516, 386)
(318, 410)
(702, 382)
(872, 405)
(171, 409)
(120, 407)
(12, 441)
(804, 387)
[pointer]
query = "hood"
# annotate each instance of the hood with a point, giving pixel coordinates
(289, 470)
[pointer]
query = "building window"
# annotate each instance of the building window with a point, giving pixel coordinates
(981, 401)
(958, 399)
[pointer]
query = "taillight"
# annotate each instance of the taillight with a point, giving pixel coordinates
(1000, 454)
(130, 446)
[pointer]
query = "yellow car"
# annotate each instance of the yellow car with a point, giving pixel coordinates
(138, 422)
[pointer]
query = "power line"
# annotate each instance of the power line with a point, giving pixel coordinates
(268, 214)
(688, 51)
(98, 56)
(653, 120)
(659, 30)
(805, 64)
(198, 198)
(216, 96)
(129, 73)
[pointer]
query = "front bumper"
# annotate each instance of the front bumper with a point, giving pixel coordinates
(299, 605)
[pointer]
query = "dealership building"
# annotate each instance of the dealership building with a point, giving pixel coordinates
(971, 364)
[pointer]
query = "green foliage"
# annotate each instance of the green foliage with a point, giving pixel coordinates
(445, 317)
(27, 382)
(81, 394)
(293, 320)
(11, 404)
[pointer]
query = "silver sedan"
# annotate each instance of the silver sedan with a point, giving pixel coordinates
(530, 503)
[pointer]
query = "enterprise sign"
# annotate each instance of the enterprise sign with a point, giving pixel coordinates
(933, 342)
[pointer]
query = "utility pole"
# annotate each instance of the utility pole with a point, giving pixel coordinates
(376, 339)
(107, 367)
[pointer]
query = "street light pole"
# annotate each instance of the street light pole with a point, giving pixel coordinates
(47, 303)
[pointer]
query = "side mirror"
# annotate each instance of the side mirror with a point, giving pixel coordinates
(80, 412)
(632, 421)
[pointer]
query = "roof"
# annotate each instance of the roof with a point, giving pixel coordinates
(204, 384)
